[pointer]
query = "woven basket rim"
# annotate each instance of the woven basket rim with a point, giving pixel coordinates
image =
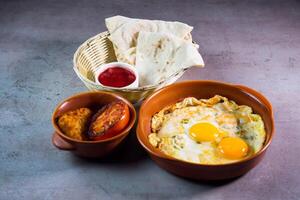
(148, 87)
(141, 88)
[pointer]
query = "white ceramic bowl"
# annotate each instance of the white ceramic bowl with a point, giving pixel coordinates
(126, 66)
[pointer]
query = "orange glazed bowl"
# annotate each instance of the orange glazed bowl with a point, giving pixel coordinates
(87, 148)
(242, 95)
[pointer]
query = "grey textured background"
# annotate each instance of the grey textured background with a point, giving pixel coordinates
(256, 43)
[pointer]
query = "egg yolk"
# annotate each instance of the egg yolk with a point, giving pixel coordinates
(203, 132)
(233, 148)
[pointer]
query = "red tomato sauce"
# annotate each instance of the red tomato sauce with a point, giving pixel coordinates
(116, 77)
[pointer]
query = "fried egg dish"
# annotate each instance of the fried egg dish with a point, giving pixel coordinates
(207, 131)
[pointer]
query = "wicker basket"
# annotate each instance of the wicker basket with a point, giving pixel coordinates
(99, 50)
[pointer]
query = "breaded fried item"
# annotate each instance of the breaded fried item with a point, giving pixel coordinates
(75, 123)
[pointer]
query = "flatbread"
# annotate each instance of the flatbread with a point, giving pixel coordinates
(112, 23)
(160, 55)
(124, 33)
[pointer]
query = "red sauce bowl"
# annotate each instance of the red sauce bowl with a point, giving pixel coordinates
(117, 75)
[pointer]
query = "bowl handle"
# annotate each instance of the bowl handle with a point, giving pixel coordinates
(61, 144)
(257, 95)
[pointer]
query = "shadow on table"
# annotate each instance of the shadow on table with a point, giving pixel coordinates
(212, 183)
(128, 151)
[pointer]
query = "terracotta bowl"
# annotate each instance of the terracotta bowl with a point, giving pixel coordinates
(204, 89)
(91, 149)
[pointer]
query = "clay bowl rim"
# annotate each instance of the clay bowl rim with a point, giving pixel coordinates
(116, 96)
(243, 88)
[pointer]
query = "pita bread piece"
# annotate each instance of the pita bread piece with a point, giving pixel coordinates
(124, 33)
(160, 55)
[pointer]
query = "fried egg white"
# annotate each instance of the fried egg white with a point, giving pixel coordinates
(209, 134)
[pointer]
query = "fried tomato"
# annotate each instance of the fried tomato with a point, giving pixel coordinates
(109, 121)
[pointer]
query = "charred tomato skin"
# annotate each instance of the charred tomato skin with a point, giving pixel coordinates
(109, 121)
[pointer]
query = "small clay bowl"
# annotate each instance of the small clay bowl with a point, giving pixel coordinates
(242, 95)
(90, 149)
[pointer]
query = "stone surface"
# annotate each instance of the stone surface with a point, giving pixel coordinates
(256, 43)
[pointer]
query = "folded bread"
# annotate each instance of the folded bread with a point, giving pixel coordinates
(124, 32)
(160, 55)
